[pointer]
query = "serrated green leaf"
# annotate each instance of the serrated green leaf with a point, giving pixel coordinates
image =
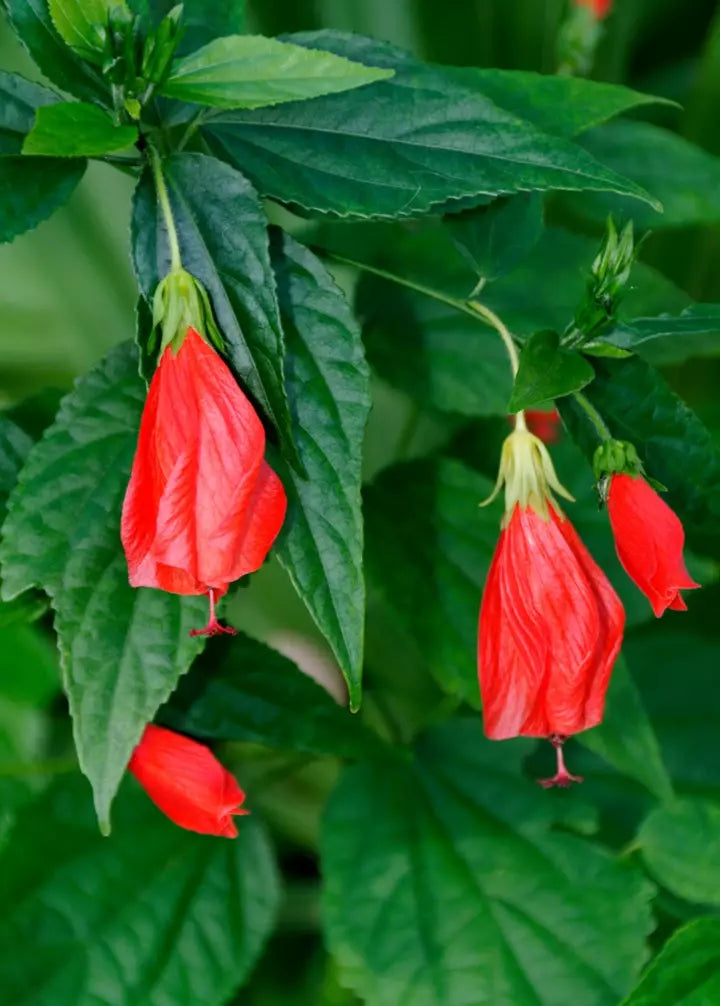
(122, 650)
(250, 71)
(547, 371)
(82, 24)
(686, 972)
(423, 138)
(429, 547)
(154, 914)
(246, 691)
(675, 447)
(19, 99)
(684, 177)
(321, 543)
(222, 231)
(31, 189)
(496, 238)
(15, 445)
(33, 25)
(76, 129)
(561, 106)
(671, 338)
(680, 844)
(626, 739)
(444, 883)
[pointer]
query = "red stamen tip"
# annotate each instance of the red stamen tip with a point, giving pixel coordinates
(562, 777)
(213, 627)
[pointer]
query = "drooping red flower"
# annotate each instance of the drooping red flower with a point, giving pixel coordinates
(649, 539)
(187, 782)
(544, 424)
(202, 507)
(551, 625)
(599, 8)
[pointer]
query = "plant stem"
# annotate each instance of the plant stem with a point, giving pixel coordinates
(593, 415)
(492, 319)
(164, 200)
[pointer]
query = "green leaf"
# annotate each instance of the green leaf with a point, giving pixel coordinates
(686, 972)
(626, 739)
(561, 106)
(429, 547)
(33, 24)
(122, 650)
(321, 543)
(155, 914)
(682, 176)
(244, 691)
(495, 238)
(547, 371)
(19, 99)
(680, 844)
(83, 24)
(249, 71)
(14, 447)
(31, 189)
(222, 231)
(76, 129)
(445, 883)
(422, 138)
(671, 338)
(675, 447)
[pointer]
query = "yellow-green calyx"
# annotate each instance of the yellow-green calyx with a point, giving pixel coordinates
(181, 302)
(527, 472)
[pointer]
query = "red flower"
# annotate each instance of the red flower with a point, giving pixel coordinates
(202, 507)
(187, 782)
(544, 424)
(600, 8)
(551, 624)
(649, 539)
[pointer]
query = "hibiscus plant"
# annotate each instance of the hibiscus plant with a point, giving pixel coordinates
(359, 507)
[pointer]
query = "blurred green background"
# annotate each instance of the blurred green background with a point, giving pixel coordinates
(67, 293)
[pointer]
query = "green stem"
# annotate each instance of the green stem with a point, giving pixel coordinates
(164, 200)
(593, 415)
(473, 308)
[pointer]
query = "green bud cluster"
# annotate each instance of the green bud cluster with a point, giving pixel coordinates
(181, 302)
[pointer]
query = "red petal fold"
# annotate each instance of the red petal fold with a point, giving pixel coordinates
(202, 507)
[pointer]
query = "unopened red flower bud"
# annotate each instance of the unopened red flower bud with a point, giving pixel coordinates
(599, 8)
(551, 624)
(649, 539)
(202, 507)
(545, 424)
(187, 782)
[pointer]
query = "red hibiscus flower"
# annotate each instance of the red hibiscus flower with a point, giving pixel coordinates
(202, 507)
(551, 624)
(649, 539)
(187, 782)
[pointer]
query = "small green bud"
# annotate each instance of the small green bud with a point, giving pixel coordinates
(577, 41)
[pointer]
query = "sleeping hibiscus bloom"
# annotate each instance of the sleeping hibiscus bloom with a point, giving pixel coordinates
(649, 539)
(202, 507)
(551, 624)
(187, 782)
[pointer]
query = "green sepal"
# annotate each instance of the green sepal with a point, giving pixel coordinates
(181, 302)
(617, 457)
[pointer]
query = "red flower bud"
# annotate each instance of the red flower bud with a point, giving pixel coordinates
(187, 782)
(202, 507)
(649, 539)
(544, 424)
(551, 624)
(599, 8)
